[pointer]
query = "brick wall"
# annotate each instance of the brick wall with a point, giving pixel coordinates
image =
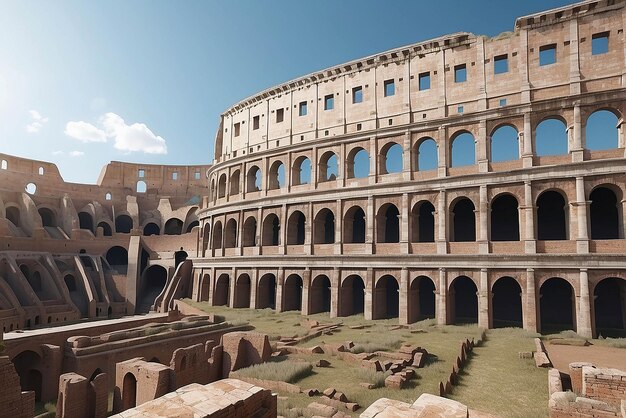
(13, 402)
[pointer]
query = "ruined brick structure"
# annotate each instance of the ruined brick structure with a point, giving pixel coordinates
(534, 241)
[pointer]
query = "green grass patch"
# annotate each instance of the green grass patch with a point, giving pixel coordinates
(279, 370)
(373, 377)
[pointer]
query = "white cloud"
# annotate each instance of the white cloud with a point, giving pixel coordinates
(135, 137)
(76, 154)
(37, 122)
(58, 153)
(85, 132)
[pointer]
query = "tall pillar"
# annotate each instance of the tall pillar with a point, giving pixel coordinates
(305, 307)
(577, 149)
(232, 283)
(442, 298)
(403, 303)
(254, 283)
(481, 147)
(335, 296)
(530, 243)
(442, 152)
(308, 230)
(369, 289)
(529, 311)
(407, 172)
(582, 240)
(369, 220)
(338, 227)
(280, 280)
(483, 224)
(583, 309)
(527, 154)
(282, 224)
(373, 151)
(259, 227)
(442, 244)
(484, 316)
(404, 224)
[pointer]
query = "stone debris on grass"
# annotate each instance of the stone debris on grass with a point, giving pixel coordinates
(323, 410)
(322, 363)
(329, 392)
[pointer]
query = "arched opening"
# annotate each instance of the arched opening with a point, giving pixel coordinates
(27, 365)
(504, 144)
(352, 295)
(266, 294)
(205, 285)
(48, 218)
(129, 391)
(328, 168)
(221, 186)
(70, 283)
(504, 218)
(296, 228)
(506, 302)
(463, 221)
(388, 224)
(609, 304)
(242, 292)
(85, 221)
(95, 374)
(35, 283)
(217, 235)
(301, 171)
(76, 294)
(106, 229)
(391, 158)
(604, 214)
(421, 299)
(151, 229)
(253, 179)
(271, 230)
(556, 304)
(173, 226)
(213, 191)
(221, 293)
(31, 188)
(117, 257)
(108, 196)
(4, 165)
(550, 138)
(358, 163)
(123, 224)
(463, 150)
(319, 295)
(191, 226)
(463, 301)
(234, 182)
(13, 215)
(230, 234)
(154, 281)
(426, 155)
(423, 217)
(179, 257)
(249, 232)
(601, 131)
(386, 298)
(142, 187)
(324, 227)
(551, 216)
(354, 226)
(41, 171)
(276, 176)
(292, 293)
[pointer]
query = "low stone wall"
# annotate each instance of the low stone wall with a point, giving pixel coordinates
(13, 402)
(269, 384)
(541, 355)
(607, 385)
(467, 347)
(81, 398)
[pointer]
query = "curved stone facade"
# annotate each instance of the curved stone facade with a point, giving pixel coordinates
(535, 241)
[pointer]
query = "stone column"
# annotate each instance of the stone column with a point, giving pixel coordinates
(407, 172)
(254, 283)
(483, 224)
(529, 310)
(369, 219)
(338, 227)
(373, 151)
(335, 296)
(442, 300)
(258, 250)
(527, 136)
(404, 224)
(577, 150)
(582, 240)
(232, 284)
(264, 176)
(305, 307)
(282, 234)
(442, 152)
(583, 308)
(403, 303)
(482, 147)
(308, 230)
(369, 289)
(442, 244)
(530, 243)
(484, 315)
(280, 280)
(574, 59)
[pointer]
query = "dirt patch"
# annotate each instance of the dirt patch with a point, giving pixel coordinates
(563, 355)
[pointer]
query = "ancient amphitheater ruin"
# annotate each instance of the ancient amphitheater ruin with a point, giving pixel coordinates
(457, 178)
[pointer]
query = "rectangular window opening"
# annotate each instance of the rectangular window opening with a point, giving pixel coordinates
(501, 64)
(302, 109)
(424, 81)
(357, 94)
(280, 115)
(460, 73)
(390, 88)
(141, 173)
(174, 175)
(237, 129)
(197, 175)
(502, 102)
(600, 43)
(358, 126)
(255, 122)
(459, 109)
(329, 102)
(547, 54)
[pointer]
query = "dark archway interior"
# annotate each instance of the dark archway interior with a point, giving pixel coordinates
(191, 226)
(154, 280)
(551, 219)
(387, 297)
(179, 257)
(47, 217)
(267, 292)
(610, 310)
(353, 296)
(325, 227)
(151, 229)
(13, 215)
(117, 257)
(249, 232)
(123, 224)
(292, 293)
(230, 234)
(85, 221)
(106, 229)
(465, 300)
(358, 226)
(506, 303)
(173, 226)
(217, 235)
(424, 223)
(76, 294)
(129, 391)
(425, 289)
(295, 232)
(242, 292)
(271, 230)
(391, 222)
(464, 221)
(26, 365)
(319, 294)
(556, 306)
(604, 214)
(222, 291)
(504, 219)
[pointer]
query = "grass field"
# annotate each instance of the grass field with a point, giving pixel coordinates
(495, 380)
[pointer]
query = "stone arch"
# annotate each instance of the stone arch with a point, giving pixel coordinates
(205, 285)
(552, 219)
(28, 366)
(221, 186)
(242, 291)
(319, 294)
(271, 230)
(249, 232)
(266, 292)
(352, 295)
(77, 295)
(276, 179)
(173, 226)
(557, 310)
(191, 226)
(85, 221)
(390, 160)
(551, 137)
(301, 171)
(141, 187)
(463, 301)
(506, 303)
(254, 179)
(217, 235)
(354, 226)
(296, 228)
(230, 233)
(292, 293)
(123, 224)
(151, 228)
(421, 299)
(234, 182)
(206, 236)
(328, 167)
(609, 305)
(426, 154)
(504, 143)
(504, 218)
(423, 222)
(324, 227)
(388, 224)
(107, 231)
(463, 220)
(129, 391)
(386, 298)
(154, 281)
(604, 213)
(117, 257)
(358, 163)
(221, 293)
(48, 217)
(462, 149)
(601, 130)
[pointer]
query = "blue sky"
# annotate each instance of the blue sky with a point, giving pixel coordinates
(146, 81)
